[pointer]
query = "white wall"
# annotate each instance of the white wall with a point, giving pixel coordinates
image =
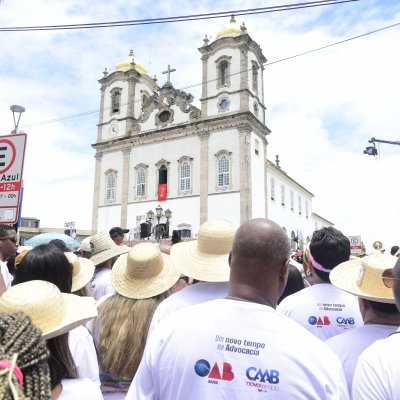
(171, 151)
(229, 141)
(108, 217)
(185, 210)
(257, 178)
(225, 206)
(111, 161)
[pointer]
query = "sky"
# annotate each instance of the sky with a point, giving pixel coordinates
(322, 108)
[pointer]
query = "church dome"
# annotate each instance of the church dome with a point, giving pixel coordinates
(232, 30)
(126, 64)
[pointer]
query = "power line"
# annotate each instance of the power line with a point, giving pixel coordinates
(182, 18)
(213, 80)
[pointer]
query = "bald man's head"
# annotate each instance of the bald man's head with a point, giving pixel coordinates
(261, 239)
(259, 262)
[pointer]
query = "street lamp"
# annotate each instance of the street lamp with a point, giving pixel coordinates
(168, 215)
(159, 211)
(16, 110)
(372, 150)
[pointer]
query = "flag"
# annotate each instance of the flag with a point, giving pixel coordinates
(162, 191)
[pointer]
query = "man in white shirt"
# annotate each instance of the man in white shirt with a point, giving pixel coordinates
(322, 308)
(8, 248)
(240, 347)
(204, 259)
(378, 369)
(363, 278)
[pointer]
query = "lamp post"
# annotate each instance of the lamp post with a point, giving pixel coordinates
(150, 217)
(159, 211)
(16, 110)
(168, 215)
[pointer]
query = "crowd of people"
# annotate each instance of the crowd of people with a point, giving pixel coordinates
(226, 316)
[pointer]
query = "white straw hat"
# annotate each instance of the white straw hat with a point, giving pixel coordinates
(85, 245)
(365, 277)
(82, 271)
(104, 248)
(144, 272)
(206, 258)
(53, 312)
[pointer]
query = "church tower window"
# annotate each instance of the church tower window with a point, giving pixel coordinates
(254, 70)
(224, 66)
(223, 171)
(141, 183)
(115, 101)
(111, 186)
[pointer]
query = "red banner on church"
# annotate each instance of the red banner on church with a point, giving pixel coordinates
(162, 191)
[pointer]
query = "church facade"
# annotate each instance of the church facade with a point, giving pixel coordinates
(155, 147)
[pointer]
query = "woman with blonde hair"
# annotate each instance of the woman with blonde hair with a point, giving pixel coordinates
(141, 279)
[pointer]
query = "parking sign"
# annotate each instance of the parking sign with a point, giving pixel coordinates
(12, 154)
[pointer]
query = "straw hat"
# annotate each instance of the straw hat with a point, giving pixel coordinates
(82, 271)
(104, 248)
(364, 277)
(206, 259)
(53, 312)
(144, 272)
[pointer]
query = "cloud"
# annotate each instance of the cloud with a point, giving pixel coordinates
(322, 107)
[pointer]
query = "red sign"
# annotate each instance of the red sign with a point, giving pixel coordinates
(162, 191)
(12, 153)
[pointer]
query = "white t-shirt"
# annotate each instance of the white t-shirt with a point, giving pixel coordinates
(378, 370)
(226, 349)
(349, 345)
(101, 283)
(74, 389)
(83, 352)
(323, 310)
(8, 278)
(190, 295)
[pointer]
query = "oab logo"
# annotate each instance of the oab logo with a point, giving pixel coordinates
(203, 368)
(319, 321)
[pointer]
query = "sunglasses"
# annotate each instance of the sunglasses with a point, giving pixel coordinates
(387, 278)
(10, 238)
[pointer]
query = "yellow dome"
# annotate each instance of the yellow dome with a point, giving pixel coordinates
(126, 64)
(232, 30)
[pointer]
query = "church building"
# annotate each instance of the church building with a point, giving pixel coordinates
(155, 147)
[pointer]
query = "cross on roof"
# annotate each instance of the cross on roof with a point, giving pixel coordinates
(168, 71)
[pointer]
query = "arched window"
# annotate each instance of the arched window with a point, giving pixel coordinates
(185, 176)
(223, 171)
(254, 70)
(111, 186)
(141, 183)
(115, 101)
(162, 175)
(224, 66)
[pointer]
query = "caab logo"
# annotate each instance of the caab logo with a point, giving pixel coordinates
(345, 321)
(319, 321)
(257, 374)
(203, 368)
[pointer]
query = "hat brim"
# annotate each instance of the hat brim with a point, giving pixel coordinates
(345, 275)
(105, 255)
(133, 288)
(85, 274)
(78, 311)
(199, 265)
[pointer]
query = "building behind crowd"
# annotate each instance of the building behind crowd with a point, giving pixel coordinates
(155, 147)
